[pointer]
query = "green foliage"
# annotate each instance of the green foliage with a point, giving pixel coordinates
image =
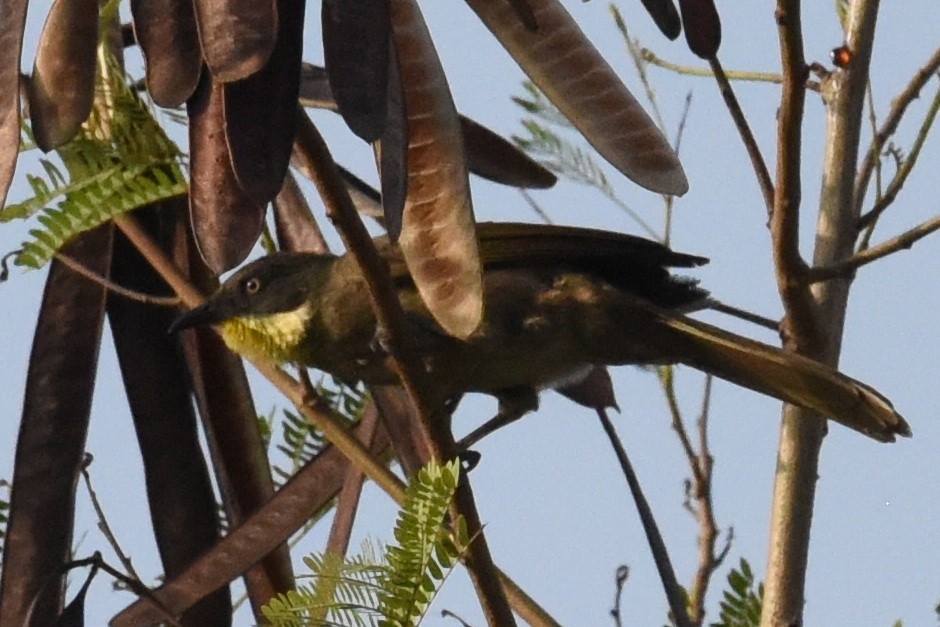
(741, 603)
(556, 153)
(396, 591)
(425, 553)
(344, 592)
(300, 441)
(120, 160)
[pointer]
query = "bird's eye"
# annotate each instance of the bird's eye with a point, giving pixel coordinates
(252, 285)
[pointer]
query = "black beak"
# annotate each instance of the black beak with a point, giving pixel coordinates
(205, 314)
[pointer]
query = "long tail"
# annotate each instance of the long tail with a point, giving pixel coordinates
(786, 376)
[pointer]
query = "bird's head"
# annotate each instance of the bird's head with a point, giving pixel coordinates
(265, 309)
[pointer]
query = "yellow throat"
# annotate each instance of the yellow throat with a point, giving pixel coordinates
(277, 336)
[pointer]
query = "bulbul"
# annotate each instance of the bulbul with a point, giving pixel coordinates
(558, 301)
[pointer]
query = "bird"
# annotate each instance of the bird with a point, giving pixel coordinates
(559, 302)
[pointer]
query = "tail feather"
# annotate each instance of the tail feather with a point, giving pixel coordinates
(788, 377)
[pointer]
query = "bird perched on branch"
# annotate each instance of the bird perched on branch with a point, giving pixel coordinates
(558, 302)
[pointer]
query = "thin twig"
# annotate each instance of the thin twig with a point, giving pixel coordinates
(535, 206)
(904, 241)
(666, 382)
(698, 491)
(747, 136)
(668, 199)
(103, 520)
(868, 219)
(743, 314)
(671, 585)
(620, 581)
(639, 62)
(708, 561)
(140, 297)
(735, 75)
(347, 504)
(133, 584)
(898, 108)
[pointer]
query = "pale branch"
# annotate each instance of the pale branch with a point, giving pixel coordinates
(799, 323)
(904, 241)
(699, 492)
(868, 219)
(668, 199)
(734, 75)
(802, 432)
(747, 136)
(898, 108)
(667, 574)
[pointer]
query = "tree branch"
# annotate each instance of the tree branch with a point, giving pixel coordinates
(747, 136)
(799, 322)
(735, 75)
(904, 241)
(802, 432)
(890, 125)
(900, 177)
(667, 574)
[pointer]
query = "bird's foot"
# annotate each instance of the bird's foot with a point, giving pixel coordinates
(514, 403)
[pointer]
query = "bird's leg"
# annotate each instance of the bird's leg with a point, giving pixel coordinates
(514, 403)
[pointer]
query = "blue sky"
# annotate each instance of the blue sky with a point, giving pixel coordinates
(558, 516)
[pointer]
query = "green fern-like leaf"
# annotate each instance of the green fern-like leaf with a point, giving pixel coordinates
(415, 565)
(741, 603)
(301, 441)
(562, 157)
(343, 592)
(537, 104)
(394, 592)
(122, 159)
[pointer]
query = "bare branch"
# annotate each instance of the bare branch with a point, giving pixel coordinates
(890, 125)
(802, 432)
(657, 545)
(799, 322)
(904, 241)
(140, 297)
(747, 136)
(904, 170)
(734, 75)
